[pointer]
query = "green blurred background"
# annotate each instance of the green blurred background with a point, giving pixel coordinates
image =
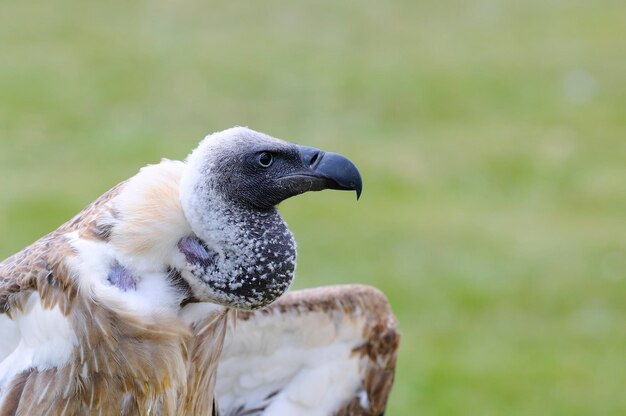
(490, 135)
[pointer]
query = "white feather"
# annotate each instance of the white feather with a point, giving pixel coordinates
(305, 357)
(153, 293)
(10, 336)
(46, 340)
(195, 312)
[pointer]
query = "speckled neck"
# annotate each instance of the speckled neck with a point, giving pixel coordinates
(243, 258)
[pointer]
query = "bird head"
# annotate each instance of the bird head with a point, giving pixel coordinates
(254, 171)
(242, 254)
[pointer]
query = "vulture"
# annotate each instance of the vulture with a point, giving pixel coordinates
(166, 296)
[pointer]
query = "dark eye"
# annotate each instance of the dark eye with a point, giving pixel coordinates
(265, 159)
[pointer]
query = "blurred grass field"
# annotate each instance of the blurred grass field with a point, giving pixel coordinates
(491, 136)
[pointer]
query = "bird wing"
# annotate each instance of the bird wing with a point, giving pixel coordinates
(323, 351)
(42, 269)
(36, 295)
(70, 342)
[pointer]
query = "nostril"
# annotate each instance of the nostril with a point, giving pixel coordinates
(310, 157)
(314, 158)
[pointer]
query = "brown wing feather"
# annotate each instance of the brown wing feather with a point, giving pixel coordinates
(205, 348)
(14, 394)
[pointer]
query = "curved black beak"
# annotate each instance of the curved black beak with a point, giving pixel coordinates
(328, 170)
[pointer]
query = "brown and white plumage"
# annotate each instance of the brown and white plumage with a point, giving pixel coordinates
(323, 351)
(81, 346)
(124, 309)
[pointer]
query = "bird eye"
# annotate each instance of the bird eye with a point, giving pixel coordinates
(265, 159)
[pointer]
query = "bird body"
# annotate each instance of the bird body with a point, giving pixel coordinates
(125, 308)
